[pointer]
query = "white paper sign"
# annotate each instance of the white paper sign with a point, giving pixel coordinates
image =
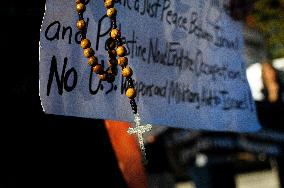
(186, 57)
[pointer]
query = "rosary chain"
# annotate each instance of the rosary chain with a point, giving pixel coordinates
(115, 48)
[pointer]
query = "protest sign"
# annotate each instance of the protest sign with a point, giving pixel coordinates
(186, 56)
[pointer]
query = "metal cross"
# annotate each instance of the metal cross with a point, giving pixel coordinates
(139, 130)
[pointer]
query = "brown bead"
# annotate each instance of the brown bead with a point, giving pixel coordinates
(131, 93)
(110, 78)
(109, 4)
(80, 1)
(121, 51)
(92, 61)
(111, 12)
(112, 62)
(122, 61)
(89, 52)
(112, 53)
(127, 72)
(80, 7)
(81, 24)
(98, 69)
(85, 43)
(111, 44)
(114, 33)
(113, 70)
(103, 76)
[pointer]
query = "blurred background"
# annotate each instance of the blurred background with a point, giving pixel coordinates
(39, 150)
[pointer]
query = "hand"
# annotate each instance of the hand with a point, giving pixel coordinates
(273, 91)
(269, 76)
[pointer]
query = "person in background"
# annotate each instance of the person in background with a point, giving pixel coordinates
(260, 72)
(265, 77)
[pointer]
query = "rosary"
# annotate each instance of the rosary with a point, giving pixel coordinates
(117, 56)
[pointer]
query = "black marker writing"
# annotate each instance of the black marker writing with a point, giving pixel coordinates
(62, 81)
(55, 31)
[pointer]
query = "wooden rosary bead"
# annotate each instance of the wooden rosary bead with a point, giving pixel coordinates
(93, 61)
(81, 25)
(127, 72)
(115, 33)
(112, 62)
(80, 1)
(110, 78)
(122, 61)
(121, 51)
(111, 12)
(110, 43)
(98, 69)
(109, 3)
(113, 71)
(131, 93)
(112, 53)
(80, 7)
(89, 52)
(85, 43)
(103, 77)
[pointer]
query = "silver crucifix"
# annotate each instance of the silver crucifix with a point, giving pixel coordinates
(139, 130)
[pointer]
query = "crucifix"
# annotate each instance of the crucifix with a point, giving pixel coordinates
(117, 53)
(139, 130)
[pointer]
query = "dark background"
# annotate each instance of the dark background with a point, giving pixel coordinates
(39, 150)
